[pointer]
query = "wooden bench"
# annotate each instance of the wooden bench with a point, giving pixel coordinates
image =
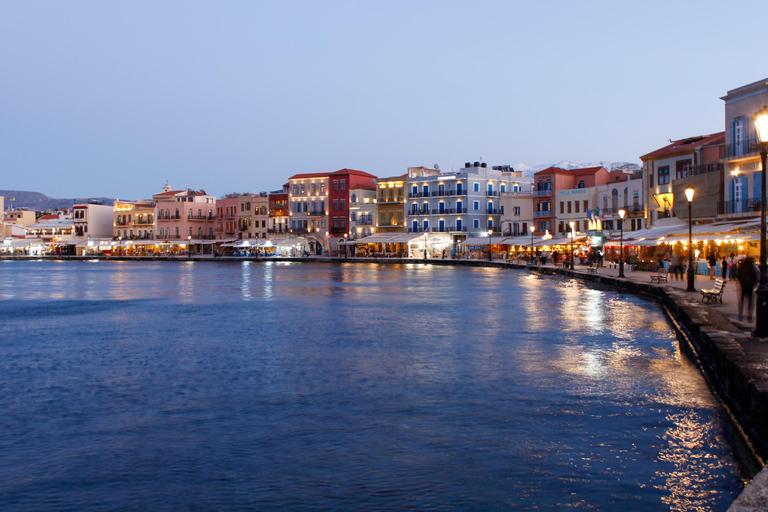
(715, 294)
(660, 276)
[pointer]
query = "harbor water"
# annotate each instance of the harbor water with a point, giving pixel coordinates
(302, 386)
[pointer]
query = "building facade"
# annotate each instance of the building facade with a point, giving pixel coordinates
(185, 215)
(133, 220)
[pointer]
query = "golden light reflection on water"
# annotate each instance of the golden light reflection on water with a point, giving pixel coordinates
(245, 280)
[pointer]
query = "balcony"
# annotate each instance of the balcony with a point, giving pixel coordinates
(415, 230)
(338, 230)
(316, 213)
(299, 231)
(492, 194)
(201, 217)
(415, 196)
(390, 200)
(695, 170)
(540, 193)
(390, 225)
(365, 221)
(544, 214)
(493, 211)
(169, 217)
(632, 208)
(746, 207)
(443, 193)
(744, 149)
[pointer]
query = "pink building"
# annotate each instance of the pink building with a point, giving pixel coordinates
(226, 218)
(185, 214)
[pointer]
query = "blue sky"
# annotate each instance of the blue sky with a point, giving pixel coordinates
(116, 98)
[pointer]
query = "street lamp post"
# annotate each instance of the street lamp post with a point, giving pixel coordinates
(345, 246)
(532, 229)
(490, 232)
(689, 196)
(571, 225)
(425, 244)
(119, 246)
(622, 213)
(189, 247)
(761, 316)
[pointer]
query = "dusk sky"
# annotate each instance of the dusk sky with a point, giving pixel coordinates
(116, 98)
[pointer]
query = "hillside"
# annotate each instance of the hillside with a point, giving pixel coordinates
(41, 202)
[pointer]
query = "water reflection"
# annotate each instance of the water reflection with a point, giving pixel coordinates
(360, 386)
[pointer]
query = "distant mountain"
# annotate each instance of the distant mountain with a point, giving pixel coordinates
(41, 202)
(530, 170)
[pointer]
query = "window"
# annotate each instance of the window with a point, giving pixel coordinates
(581, 184)
(562, 206)
(664, 175)
(335, 205)
(503, 187)
(353, 199)
(343, 222)
(322, 189)
(343, 184)
(476, 187)
(476, 205)
(477, 224)
(302, 188)
(336, 222)
(353, 217)
(516, 211)
(586, 206)
(343, 204)
(569, 207)
(576, 207)
(314, 189)
(335, 187)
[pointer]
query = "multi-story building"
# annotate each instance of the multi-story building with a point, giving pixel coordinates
(390, 204)
(184, 215)
(362, 213)
(624, 192)
(134, 220)
(320, 206)
(15, 222)
(517, 205)
(253, 216)
(227, 218)
(459, 204)
(277, 225)
(667, 171)
(562, 196)
(308, 214)
(94, 220)
(742, 188)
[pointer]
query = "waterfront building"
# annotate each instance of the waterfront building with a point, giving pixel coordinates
(277, 223)
(624, 191)
(15, 222)
(667, 171)
(456, 205)
(390, 204)
(562, 196)
(362, 213)
(517, 205)
(308, 197)
(341, 186)
(252, 216)
(134, 220)
(53, 228)
(184, 215)
(227, 218)
(740, 153)
(94, 220)
(320, 206)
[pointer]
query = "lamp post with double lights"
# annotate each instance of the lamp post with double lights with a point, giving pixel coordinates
(689, 196)
(622, 213)
(532, 229)
(761, 316)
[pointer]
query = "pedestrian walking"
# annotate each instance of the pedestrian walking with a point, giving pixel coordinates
(732, 266)
(747, 279)
(712, 265)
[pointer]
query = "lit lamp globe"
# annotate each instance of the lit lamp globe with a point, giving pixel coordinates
(761, 124)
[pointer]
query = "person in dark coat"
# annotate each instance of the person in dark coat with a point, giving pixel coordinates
(747, 279)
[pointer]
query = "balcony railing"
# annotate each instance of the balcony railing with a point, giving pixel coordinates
(390, 200)
(365, 222)
(338, 230)
(542, 192)
(201, 217)
(415, 230)
(493, 194)
(748, 206)
(169, 217)
(695, 170)
(443, 193)
(411, 195)
(632, 208)
(747, 147)
(315, 213)
(543, 214)
(493, 211)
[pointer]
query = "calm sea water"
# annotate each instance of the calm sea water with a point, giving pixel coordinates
(157, 385)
